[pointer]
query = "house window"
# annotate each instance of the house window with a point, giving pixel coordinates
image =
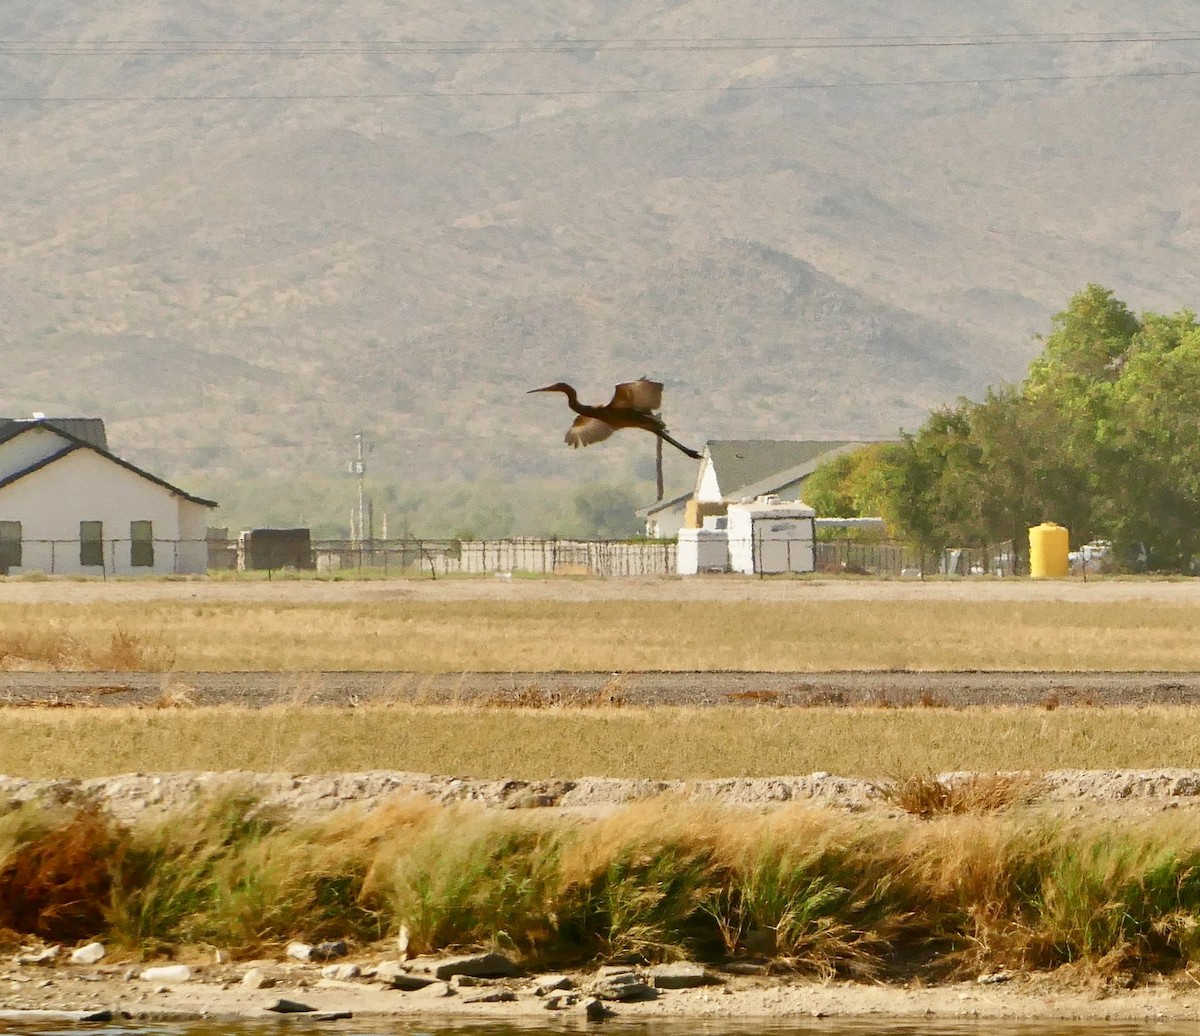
(10, 546)
(91, 543)
(141, 545)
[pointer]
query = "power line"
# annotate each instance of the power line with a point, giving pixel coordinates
(601, 91)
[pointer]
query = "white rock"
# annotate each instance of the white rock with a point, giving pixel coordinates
(299, 950)
(167, 973)
(256, 978)
(92, 953)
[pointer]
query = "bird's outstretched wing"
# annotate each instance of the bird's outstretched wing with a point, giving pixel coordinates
(638, 395)
(587, 430)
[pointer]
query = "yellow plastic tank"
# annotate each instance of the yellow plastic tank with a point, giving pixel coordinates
(1048, 549)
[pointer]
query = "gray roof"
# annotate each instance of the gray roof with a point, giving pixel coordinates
(10, 428)
(743, 464)
(89, 430)
(664, 505)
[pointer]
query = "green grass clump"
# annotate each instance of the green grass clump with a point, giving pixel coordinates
(808, 891)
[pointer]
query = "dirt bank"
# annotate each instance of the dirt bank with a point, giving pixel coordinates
(1117, 793)
(215, 991)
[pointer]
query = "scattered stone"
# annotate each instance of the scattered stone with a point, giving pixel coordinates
(386, 970)
(328, 950)
(492, 996)
(435, 990)
(43, 956)
(561, 1001)
(470, 980)
(341, 972)
(624, 986)
(680, 975)
(608, 970)
(595, 1011)
(994, 978)
(746, 967)
(167, 973)
(290, 1007)
(55, 1016)
(477, 965)
(299, 951)
(256, 978)
(410, 983)
(332, 1016)
(92, 953)
(544, 984)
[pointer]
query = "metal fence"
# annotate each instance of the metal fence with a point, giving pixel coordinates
(105, 557)
(898, 559)
(438, 557)
(539, 556)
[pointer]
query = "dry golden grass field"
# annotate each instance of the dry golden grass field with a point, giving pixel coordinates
(658, 743)
(617, 626)
(498, 625)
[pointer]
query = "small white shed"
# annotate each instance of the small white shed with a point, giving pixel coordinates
(768, 535)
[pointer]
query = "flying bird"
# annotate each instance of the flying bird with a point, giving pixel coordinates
(633, 405)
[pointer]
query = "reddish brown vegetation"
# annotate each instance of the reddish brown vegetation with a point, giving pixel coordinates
(57, 884)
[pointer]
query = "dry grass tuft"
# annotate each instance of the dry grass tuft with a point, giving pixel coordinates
(759, 697)
(930, 795)
(176, 696)
(49, 646)
(55, 883)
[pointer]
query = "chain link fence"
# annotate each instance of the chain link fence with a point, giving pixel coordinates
(441, 557)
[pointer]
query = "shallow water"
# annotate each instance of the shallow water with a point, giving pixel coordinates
(790, 1027)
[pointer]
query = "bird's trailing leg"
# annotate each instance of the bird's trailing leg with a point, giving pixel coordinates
(679, 446)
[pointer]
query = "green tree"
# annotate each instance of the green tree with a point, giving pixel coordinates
(850, 485)
(932, 498)
(1149, 439)
(607, 512)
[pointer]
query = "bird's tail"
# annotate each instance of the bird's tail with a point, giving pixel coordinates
(678, 445)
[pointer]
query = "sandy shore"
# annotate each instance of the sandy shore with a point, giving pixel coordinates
(215, 991)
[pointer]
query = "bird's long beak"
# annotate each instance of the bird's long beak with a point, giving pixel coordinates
(548, 388)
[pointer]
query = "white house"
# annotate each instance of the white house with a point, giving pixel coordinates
(68, 505)
(733, 470)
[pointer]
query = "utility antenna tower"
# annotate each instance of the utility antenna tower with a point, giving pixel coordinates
(358, 467)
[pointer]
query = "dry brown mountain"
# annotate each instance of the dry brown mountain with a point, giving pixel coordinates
(241, 236)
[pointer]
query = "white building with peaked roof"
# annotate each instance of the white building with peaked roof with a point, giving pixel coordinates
(69, 505)
(735, 470)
